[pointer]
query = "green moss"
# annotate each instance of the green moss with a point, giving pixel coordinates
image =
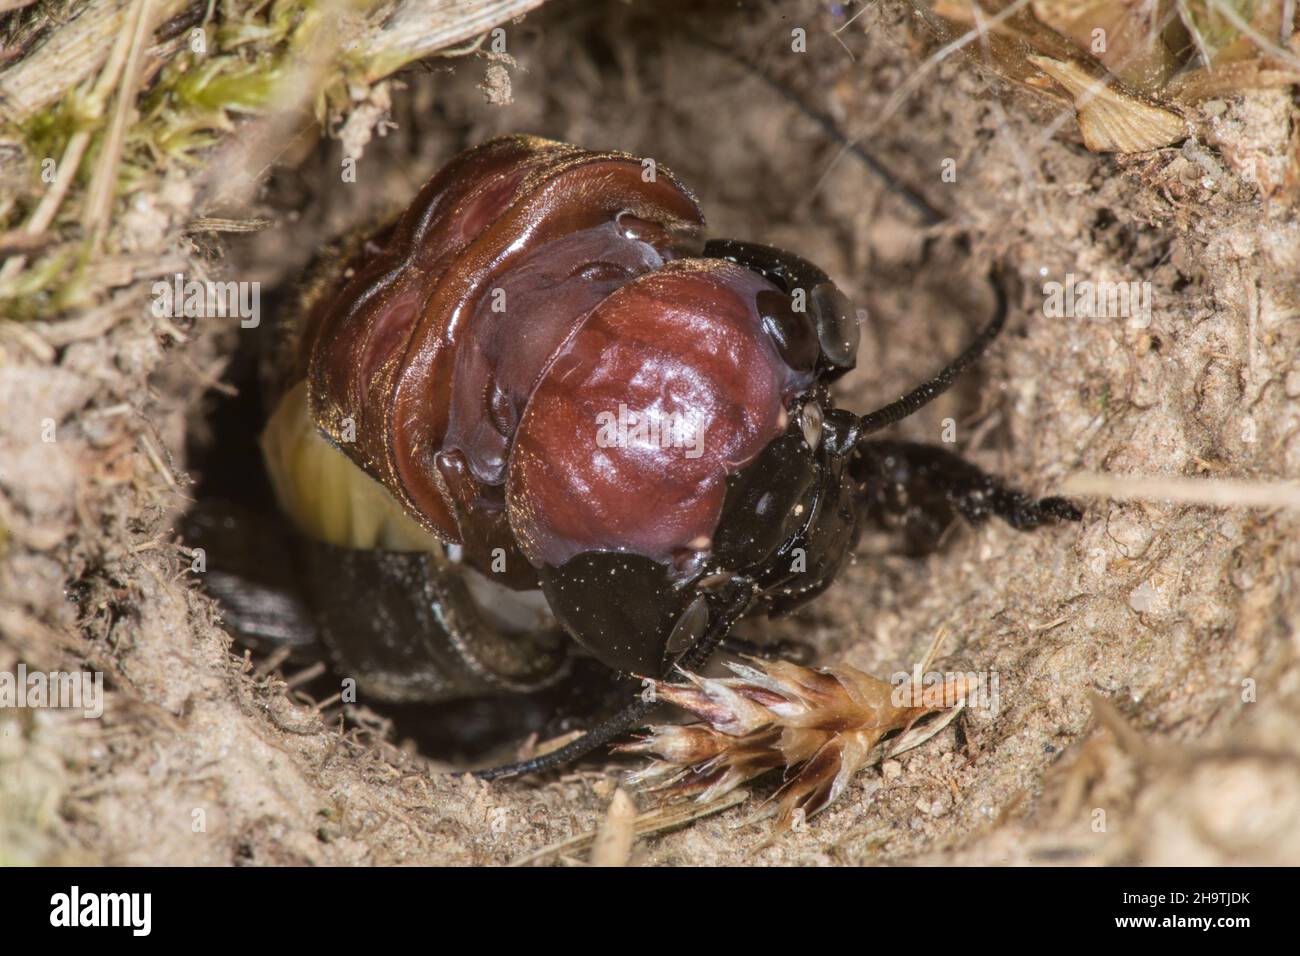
(47, 133)
(194, 101)
(43, 288)
(230, 84)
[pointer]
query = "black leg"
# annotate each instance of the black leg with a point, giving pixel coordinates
(922, 488)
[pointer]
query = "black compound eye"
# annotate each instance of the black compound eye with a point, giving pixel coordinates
(793, 332)
(837, 325)
(761, 508)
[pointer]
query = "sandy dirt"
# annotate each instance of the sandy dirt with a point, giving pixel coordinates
(1184, 621)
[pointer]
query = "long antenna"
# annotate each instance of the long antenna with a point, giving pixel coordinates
(928, 391)
(927, 213)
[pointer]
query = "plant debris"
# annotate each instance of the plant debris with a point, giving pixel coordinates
(1126, 67)
(818, 726)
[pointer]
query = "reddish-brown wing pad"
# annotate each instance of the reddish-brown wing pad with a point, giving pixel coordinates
(355, 336)
(383, 350)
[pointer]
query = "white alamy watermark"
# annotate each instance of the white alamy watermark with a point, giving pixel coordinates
(58, 690)
(1084, 299)
(976, 690)
(208, 300)
(130, 910)
(650, 428)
